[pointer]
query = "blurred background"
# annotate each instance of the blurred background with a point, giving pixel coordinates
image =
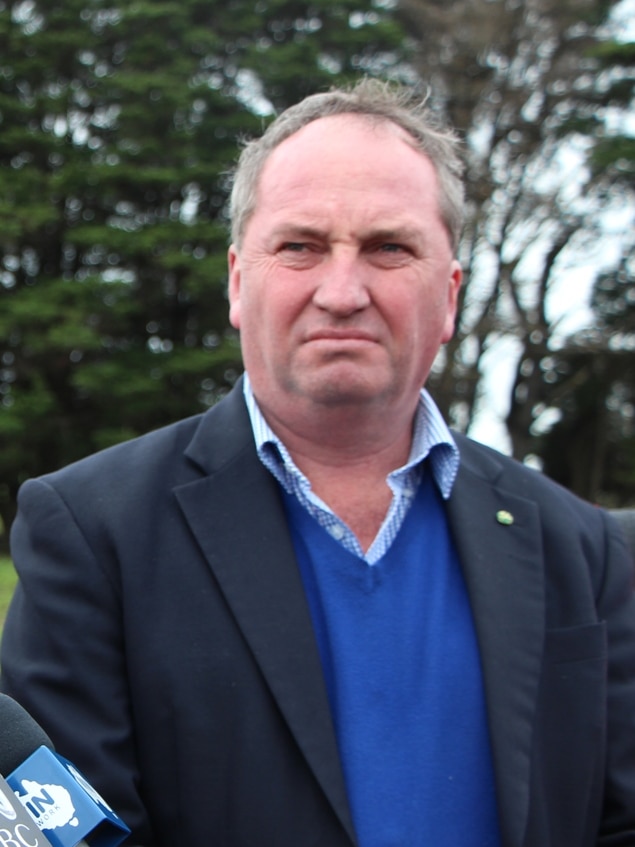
(119, 122)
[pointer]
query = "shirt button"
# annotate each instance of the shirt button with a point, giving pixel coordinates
(337, 531)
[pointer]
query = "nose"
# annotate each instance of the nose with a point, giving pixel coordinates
(342, 289)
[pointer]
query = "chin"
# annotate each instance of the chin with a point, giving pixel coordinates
(341, 393)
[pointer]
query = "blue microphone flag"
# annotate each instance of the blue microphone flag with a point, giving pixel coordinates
(64, 805)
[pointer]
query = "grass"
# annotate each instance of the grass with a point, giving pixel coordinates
(7, 584)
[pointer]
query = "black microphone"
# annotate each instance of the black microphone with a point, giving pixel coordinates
(20, 735)
(17, 827)
(63, 804)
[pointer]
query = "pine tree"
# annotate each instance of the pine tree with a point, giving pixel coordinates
(118, 125)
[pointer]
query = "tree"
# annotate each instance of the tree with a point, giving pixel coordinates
(591, 447)
(118, 123)
(527, 86)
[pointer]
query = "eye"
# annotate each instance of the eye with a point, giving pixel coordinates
(298, 255)
(391, 254)
(393, 247)
(294, 246)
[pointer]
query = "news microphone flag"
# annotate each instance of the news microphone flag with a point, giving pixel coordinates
(17, 827)
(64, 805)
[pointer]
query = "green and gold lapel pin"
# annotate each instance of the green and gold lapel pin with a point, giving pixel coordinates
(504, 517)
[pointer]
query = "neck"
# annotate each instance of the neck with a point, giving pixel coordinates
(344, 439)
(347, 458)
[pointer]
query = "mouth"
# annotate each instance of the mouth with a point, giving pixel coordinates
(343, 335)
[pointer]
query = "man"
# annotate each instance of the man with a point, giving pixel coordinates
(313, 617)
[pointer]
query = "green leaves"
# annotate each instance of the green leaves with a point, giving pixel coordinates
(118, 123)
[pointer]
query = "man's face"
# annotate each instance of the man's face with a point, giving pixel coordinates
(344, 286)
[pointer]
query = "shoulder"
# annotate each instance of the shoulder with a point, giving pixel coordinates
(561, 513)
(159, 459)
(580, 546)
(153, 449)
(502, 470)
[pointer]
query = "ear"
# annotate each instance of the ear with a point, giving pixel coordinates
(233, 260)
(454, 286)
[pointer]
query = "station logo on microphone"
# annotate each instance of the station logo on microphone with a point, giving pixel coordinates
(50, 805)
(6, 807)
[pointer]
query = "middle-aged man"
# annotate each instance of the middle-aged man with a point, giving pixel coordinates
(312, 617)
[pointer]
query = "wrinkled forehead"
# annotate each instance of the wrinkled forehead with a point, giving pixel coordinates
(350, 177)
(339, 144)
(344, 126)
(363, 136)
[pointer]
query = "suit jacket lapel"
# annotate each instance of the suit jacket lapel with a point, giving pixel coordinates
(504, 577)
(237, 516)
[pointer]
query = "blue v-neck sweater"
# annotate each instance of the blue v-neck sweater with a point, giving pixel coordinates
(402, 670)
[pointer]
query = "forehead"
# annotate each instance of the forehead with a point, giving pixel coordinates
(343, 161)
(319, 141)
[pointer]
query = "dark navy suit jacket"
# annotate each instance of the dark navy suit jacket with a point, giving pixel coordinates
(161, 635)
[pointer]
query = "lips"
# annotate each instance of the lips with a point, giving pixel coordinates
(340, 335)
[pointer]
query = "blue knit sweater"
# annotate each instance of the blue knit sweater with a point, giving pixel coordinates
(402, 670)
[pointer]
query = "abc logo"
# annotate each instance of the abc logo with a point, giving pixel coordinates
(6, 807)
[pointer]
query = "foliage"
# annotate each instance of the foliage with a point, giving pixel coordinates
(118, 123)
(532, 86)
(7, 584)
(591, 447)
(593, 387)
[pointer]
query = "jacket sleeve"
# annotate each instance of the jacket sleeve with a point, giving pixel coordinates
(62, 653)
(616, 606)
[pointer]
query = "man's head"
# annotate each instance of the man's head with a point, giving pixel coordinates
(343, 282)
(379, 102)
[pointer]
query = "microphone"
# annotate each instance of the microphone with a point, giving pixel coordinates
(17, 827)
(63, 804)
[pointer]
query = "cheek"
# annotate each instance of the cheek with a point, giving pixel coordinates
(426, 323)
(279, 304)
(437, 312)
(271, 304)
(259, 314)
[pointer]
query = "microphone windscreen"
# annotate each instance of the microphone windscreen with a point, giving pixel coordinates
(20, 735)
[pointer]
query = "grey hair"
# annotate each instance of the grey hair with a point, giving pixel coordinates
(378, 101)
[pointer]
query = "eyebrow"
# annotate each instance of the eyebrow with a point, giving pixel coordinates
(397, 233)
(297, 230)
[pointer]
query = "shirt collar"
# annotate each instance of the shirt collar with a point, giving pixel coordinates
(431, 438)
